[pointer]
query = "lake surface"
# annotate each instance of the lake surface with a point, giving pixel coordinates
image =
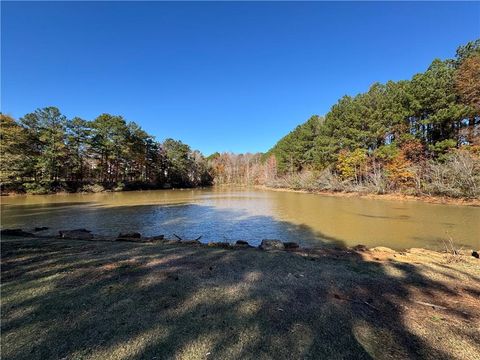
(221, 214)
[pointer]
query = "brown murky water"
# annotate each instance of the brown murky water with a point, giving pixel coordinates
(253, 215)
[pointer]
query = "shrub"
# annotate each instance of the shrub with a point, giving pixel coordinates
(351, 164)
(310, 180)
(386, 152)
(376, 180)
(38, 188)
(441, 149)
(413, 150)
(120, 186)
(92, 188)
(328, 180)
(400, 172)
(304, 180)
(458, 175)
(474, 150)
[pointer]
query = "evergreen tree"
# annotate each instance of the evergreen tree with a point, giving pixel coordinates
(46, 135)
(295, 151)
(78, 136)
(13, 150)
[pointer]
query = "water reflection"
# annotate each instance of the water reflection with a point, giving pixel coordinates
(234, 214)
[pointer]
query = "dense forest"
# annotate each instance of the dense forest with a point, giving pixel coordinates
(46, 152)
(419, 136)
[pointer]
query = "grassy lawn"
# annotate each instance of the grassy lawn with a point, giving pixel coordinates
(99, 300)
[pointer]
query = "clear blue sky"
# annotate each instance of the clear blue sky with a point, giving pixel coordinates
(218, 76)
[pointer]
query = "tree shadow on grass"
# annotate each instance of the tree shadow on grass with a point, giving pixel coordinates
(82, 299)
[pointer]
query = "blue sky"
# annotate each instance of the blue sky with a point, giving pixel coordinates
(220, 76)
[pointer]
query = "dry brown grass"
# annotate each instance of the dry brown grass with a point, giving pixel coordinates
(100, 300)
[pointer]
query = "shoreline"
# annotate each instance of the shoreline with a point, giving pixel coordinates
(375, 252)
(16, 193)
(443, 200)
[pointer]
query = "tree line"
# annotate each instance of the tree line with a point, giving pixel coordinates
(421, 136)
(405, 134)
(242, 169)
(46, 152)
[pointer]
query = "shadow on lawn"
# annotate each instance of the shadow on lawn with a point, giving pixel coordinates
(139, 301)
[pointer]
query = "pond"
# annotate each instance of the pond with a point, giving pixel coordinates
(230, 214)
